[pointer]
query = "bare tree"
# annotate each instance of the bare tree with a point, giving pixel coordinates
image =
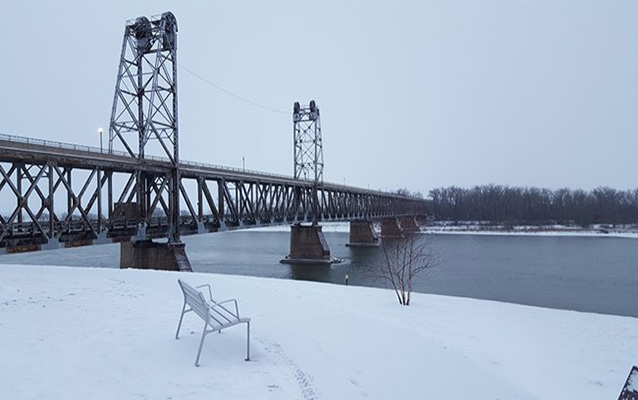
(404, 259)
(530, 205)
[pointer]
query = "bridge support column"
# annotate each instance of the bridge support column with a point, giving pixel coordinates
(145, 254)
(52, 244)
(308, 246)
(409, 224)
(390, 228)
(362, 234)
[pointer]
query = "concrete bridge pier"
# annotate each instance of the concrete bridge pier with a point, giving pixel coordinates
(308, 246)
(52, 244)
(409, 224)
(146, 254)
(362, 234)
(390, 228)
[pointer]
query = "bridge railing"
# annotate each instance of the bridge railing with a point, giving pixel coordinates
(60, 145)
(233, 169)
(92, 149)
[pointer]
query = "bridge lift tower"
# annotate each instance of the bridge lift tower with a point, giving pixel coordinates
(307, 242)
(308, 149)
(145, 118)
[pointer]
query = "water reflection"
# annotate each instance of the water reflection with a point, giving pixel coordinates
(310, 272)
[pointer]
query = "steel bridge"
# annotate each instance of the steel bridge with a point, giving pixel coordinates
(71, 195)
(68, 195)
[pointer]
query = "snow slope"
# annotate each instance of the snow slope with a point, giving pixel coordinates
(72, 333)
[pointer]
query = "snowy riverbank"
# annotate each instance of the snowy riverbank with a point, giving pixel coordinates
(449, 228)
(529, 231)
(106, 333)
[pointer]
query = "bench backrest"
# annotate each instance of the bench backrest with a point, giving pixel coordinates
(195, 299)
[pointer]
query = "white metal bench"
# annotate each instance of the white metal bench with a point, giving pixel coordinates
(216, 317)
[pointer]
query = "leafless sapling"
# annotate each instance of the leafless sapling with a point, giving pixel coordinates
(404, 259)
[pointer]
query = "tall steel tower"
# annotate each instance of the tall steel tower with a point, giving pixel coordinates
(144, 114)
(308, 153)
(308, 148)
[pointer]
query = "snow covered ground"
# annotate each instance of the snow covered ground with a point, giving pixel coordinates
(73, 333)
(443, 227)
(584, 233)
(554, 230)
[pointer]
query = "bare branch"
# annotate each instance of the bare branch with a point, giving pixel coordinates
(405, 258)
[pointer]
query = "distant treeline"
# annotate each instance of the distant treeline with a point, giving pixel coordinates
(519, 206)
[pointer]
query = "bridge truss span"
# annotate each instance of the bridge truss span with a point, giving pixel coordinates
(67, 195)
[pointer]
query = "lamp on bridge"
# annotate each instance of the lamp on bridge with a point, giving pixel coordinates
(100, 131)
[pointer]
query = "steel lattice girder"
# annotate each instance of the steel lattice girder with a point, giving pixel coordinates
(74, 194)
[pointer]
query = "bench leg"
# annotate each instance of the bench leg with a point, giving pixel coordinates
(201, 343)
(181, 317)
(248, 341)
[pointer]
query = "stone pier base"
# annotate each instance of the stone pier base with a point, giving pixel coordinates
(362, 234)
(145, 254)
(409, 224)
(308, 246)
(390, 228)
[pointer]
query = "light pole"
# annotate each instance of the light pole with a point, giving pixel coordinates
(243, 163)
(100, 131)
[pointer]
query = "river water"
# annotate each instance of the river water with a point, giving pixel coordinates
(592, 274)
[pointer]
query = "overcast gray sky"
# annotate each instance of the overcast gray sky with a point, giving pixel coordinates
(416, 94)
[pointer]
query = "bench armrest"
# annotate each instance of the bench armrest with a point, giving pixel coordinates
(210, 292)
(236, 314)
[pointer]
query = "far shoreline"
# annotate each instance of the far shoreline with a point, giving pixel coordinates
(475, 228)
(451, 228)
